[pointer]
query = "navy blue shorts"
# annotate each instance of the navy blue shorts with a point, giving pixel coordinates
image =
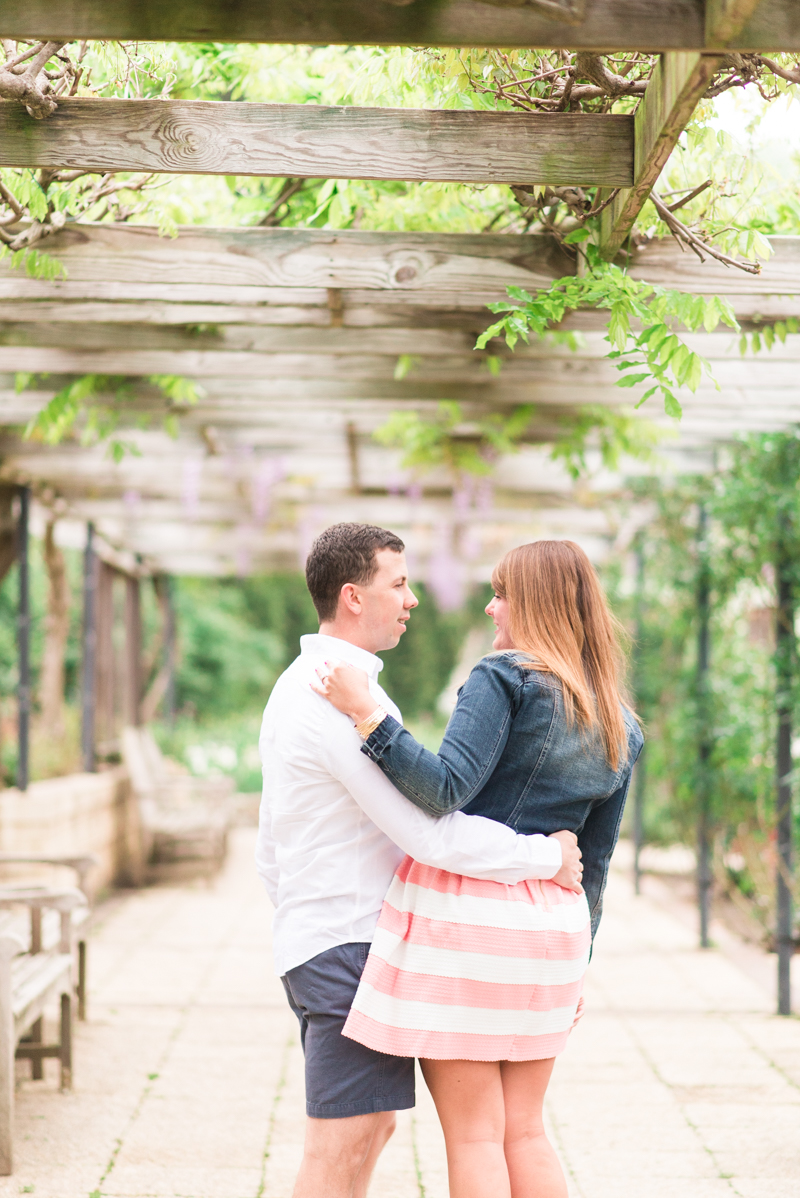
(343, 1077)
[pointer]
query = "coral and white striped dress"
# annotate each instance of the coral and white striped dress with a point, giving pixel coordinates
(462, 969)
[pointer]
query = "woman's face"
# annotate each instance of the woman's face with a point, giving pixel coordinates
(498, 610)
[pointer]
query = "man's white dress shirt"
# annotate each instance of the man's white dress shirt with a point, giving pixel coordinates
(333, 829)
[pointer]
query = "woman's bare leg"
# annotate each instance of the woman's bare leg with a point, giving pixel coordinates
(470, 1102)
(533, 1167)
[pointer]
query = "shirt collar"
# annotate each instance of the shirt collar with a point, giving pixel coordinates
(319, 645)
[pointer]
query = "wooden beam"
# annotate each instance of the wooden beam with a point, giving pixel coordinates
(316, 141)
(225, 338)
(603, 25)
(773, 25)
(262, 269)
(615, 24)
(725, 19)
(678, 83)
(288, 266)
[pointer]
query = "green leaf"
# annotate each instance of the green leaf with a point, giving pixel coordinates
(631, 380)
(671, 405)
(405, 364)
(577, 235)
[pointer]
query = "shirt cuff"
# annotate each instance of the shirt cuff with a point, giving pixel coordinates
(378, 741)
(547, 853)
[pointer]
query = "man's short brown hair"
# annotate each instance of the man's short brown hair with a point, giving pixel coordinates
(344, 553)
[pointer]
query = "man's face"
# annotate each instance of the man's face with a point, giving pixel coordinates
(386, 602)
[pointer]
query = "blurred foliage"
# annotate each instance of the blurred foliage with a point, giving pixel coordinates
(228, 661)
(418, 670)
(756, 486)
(451, 441)
(46, 759)
(236, 636)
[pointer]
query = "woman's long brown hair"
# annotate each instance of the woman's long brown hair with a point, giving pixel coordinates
(559, 616)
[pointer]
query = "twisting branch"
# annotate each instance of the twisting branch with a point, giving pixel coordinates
(30, 83)
(687, 237)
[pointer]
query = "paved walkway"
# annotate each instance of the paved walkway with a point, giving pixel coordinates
(188, 1084)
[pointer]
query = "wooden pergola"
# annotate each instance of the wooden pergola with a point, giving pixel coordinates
(301, 343)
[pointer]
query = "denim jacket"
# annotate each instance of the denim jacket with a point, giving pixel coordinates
(509, 754)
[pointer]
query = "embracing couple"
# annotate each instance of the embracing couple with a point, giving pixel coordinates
(441, 906)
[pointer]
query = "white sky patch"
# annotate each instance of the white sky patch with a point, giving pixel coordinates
(770, 130)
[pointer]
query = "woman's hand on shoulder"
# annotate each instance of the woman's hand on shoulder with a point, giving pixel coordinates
(347, 688)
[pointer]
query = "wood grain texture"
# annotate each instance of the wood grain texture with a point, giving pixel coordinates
(293, 265)
(439, 370)
(774, 25)
(240, 338)
(317, 141)
(204, 274)
(725, 19)
(678, 83)
(609, 24)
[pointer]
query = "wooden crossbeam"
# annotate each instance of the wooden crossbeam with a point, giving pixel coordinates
(118, 266)
(289, 266)
(602, 24)
(317, 141)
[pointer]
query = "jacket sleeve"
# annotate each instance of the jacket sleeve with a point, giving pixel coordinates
(475, 738)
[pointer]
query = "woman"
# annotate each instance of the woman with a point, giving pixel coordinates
(482, 980)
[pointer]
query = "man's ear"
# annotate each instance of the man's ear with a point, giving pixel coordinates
(350, 599)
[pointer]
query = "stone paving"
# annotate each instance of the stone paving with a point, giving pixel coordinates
(188, 1081)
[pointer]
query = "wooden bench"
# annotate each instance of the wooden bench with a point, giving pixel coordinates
(29, 982)
(186, 819)
(50, 930)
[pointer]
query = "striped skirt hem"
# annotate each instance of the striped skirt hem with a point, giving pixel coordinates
(462, 969)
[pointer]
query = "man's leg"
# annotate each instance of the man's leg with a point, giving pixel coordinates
(352, 1092)
(383, 1133)
(340, 1155)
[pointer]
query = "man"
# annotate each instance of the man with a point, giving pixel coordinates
(332, 831)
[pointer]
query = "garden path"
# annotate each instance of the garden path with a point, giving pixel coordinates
(678, 1082)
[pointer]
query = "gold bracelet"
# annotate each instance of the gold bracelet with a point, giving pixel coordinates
(368, 726)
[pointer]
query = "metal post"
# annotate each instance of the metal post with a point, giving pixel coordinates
(170, 651)
(23, 643)
(89, 672)
(704, 873)
(785, 653)
(639, 778)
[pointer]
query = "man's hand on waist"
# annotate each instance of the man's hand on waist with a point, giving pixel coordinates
(571, 873)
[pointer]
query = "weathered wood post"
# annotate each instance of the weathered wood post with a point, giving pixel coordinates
(133, 652)
(9, 947)
(89, 663)
(704, 832)
(785, 660)
(23, 643)
(640, 769)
